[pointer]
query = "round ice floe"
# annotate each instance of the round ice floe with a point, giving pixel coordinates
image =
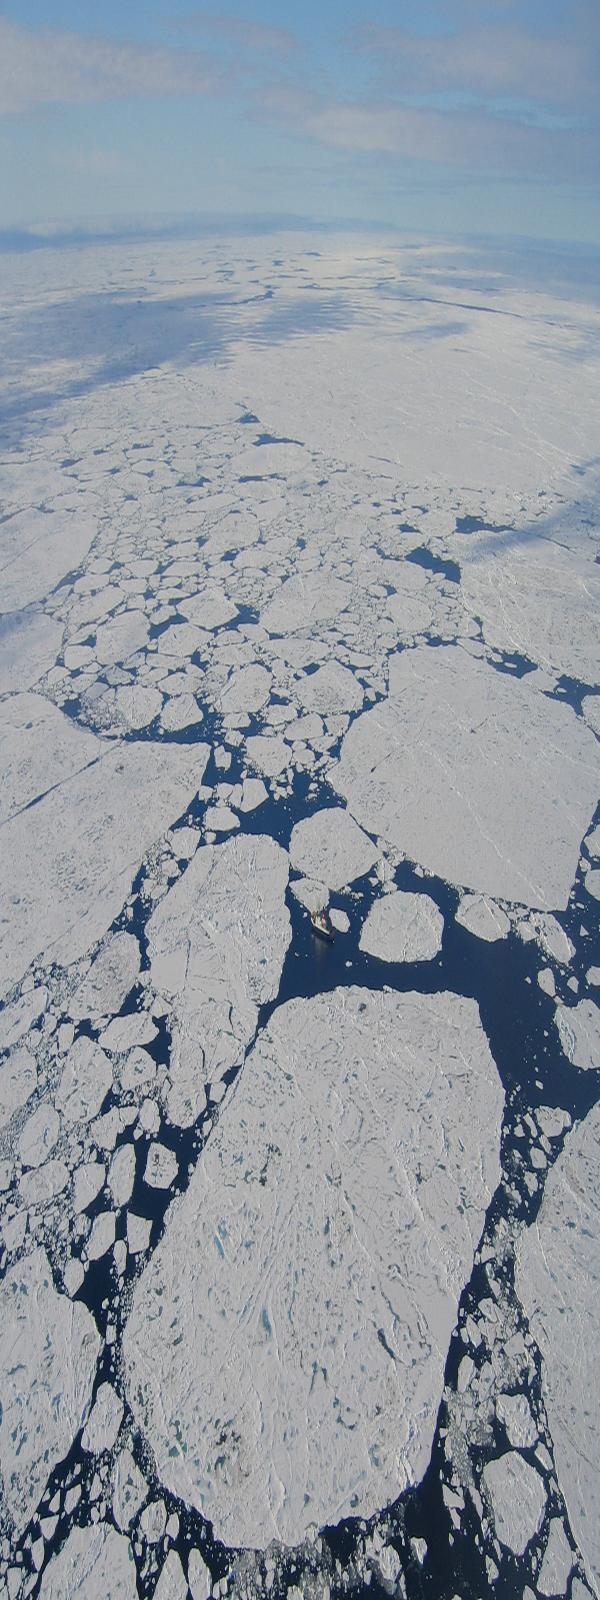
(94, 1562)
(330, 689)
(487, 783)
(403, 927)
(518, 1499)
(313, 1268)
(138, 705)
(330, 848)
(558, 1282)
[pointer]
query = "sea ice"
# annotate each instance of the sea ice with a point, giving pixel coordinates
(62, 887)
(269, 754)
(130, 1490)
(513, 1410)
(29, 644)
(558, 1283)
(403, 927)
(480, 779)
(305, 600)
(323, 1243)
(199, 1578)
(39, 1135)
(579, 1032)
(482, 917)
(95, 1562)
(518, 1499)
(161, 1167)
(557, 1562)
(330, 848)
(104, 1421)
(172, 1585)
(109, 980)
(85, 1081)
(216, 945)
(17, 1018)
(18, 1079)
(332, 688)
(46, 1390)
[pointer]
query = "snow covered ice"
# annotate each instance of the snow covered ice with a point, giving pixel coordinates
(325, 1245)
(298, 610)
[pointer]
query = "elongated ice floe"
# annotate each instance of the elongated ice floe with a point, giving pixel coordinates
(558, 1282)
(217, 944)
(48, 1353)
(313, 1269)
(484, 781)
(403, 927)
(70, 859)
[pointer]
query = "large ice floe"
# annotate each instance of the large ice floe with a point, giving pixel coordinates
(558, 1282)
(95, 1563)
(312, 1271)
(48, 1354)
(476, 777)
(70, 858)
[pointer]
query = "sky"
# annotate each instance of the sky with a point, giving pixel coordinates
(455, 117)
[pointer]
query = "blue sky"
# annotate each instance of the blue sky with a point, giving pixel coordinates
(451, 116)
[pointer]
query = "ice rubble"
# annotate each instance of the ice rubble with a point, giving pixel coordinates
(45, 1393)
(480, 779)
(63, 886)
(403, 927)
(558, 1282)
(323, 1243)
(216, 945)
(94, 1562)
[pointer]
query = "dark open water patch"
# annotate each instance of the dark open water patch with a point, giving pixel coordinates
(423, 557)
(477, 525)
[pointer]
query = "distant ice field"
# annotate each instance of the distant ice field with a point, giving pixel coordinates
(299, 949)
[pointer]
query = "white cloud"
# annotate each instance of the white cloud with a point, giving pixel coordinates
(47, 67)
(490, 61)
(471, 140)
